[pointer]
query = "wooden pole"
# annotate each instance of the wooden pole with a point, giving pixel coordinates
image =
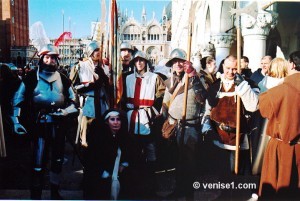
(186, 82)
(2, 139)
(101, 49)
(268, 5)
(238, 104)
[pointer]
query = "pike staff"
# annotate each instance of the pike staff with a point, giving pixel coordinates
(186, 83)
(186, 77)
(238, 100)
(251, 10)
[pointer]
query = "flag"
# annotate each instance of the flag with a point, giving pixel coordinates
(62, 37)
(115, 54)
(279, 53)
(99, 28)
(103, 16)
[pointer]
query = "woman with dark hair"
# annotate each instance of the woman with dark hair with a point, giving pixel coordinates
(209, 71)
(107, 156)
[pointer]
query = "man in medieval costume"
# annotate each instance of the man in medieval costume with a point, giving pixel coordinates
(187, 131)
(221, 114)
(143, 90)
(49, 99)
(126, 56)
(91, 84)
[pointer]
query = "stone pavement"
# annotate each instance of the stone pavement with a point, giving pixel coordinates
(15, 178)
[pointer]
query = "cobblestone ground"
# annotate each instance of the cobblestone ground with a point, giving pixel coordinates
(15, 177)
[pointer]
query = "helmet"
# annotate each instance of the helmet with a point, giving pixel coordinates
(126, 46)
(48, 49)
(91, 47)
(176, 54)
(138, 54)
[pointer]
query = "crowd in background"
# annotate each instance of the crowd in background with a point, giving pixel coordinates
(169, 117)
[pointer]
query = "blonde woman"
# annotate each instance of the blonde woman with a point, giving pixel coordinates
(277, 72)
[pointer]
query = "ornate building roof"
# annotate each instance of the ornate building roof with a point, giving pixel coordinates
(150, 36)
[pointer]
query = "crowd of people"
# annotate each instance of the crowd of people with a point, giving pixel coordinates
(192, 112)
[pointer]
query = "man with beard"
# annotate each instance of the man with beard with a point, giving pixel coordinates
(126, 51)
(126, 56)
(49, 99)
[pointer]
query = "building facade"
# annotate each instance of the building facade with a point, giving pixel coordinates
(268, 25)
(14, 29)
(150, 36)
(71, 50)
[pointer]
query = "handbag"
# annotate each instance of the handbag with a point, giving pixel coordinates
(168, 130)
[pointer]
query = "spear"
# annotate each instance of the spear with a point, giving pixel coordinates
(238, 100)
(186, 83)
(252, 10)
(186, 77)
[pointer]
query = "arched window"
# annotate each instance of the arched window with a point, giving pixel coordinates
(153, 31)
(131, 32)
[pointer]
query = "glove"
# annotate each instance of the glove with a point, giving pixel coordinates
(206, 125)
(103, 79)
(238, 79)
(19, 129)
(189, 69)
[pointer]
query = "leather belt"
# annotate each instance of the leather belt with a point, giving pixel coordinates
(225, 127)
(186, 121)
(290, 142)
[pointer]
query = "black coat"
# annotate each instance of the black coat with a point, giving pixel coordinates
(101, 155)
(257, 76)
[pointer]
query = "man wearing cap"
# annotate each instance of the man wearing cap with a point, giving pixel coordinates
(90, 82)
(144, 89)
(187, 132)
(126, 52)
(126, 56)
(49, 99)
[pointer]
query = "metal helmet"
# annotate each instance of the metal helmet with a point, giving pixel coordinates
(48, 49)
(91, 47)
(126, 46)
(138, 54)
(176, 54)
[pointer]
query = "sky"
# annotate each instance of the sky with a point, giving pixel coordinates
(77, 15)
